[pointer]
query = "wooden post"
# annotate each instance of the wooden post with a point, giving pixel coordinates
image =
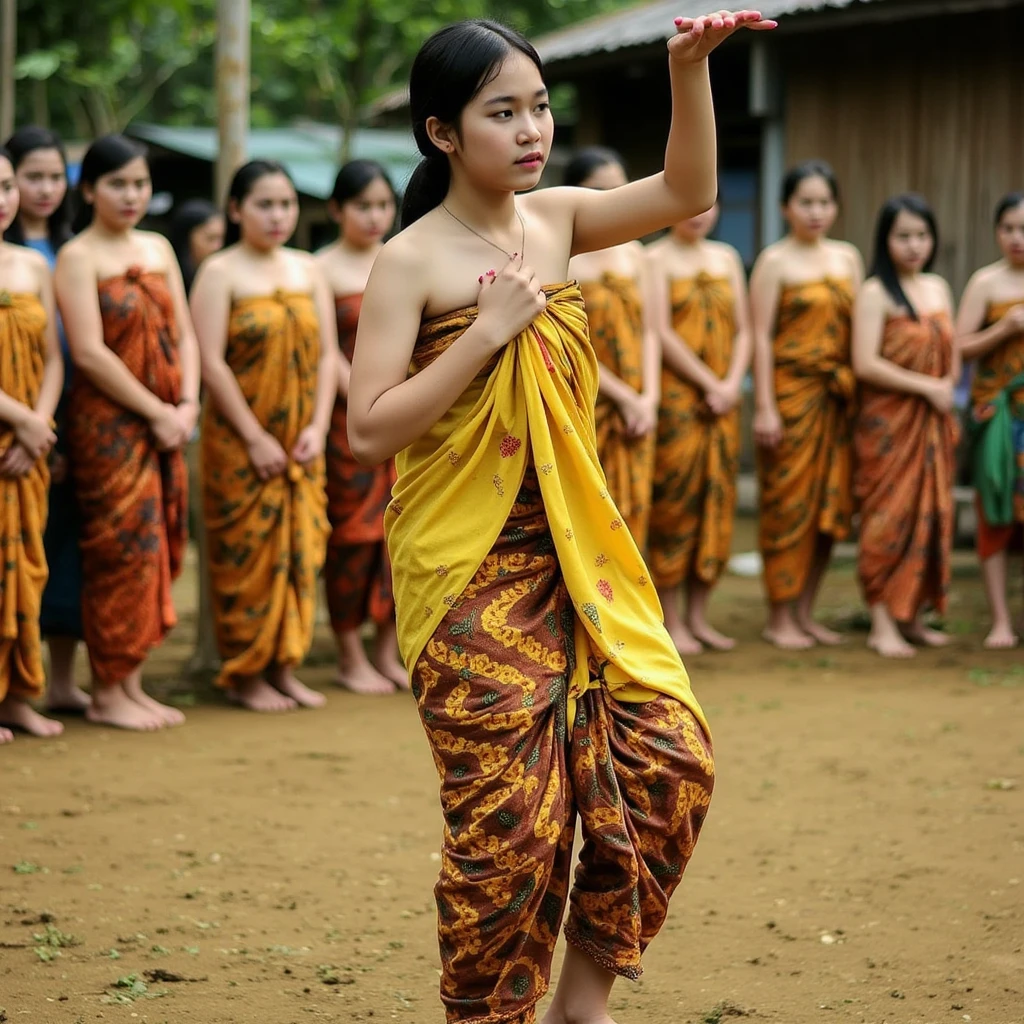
(8, 55)
(765, 102)
(233, 43)
(232, 82)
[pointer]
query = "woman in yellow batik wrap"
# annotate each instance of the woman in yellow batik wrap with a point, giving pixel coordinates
(265, 321)
(544, 676)
(705, 352)
(31, 375)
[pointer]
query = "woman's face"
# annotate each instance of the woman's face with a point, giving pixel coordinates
(365, 219)
(1010, 235)
(505, 131)
(42, 182)
(8, 194)
(910, 243)
(268, 215)
(207, 238)
(607, 176)
(812, 209)
(120, 198)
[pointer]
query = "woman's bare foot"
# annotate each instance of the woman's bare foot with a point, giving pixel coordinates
(581, 996)
(284, 679)
(787, 637)
(685, 641)
(1001, 637)
(6, 736)
(392, 669)
(363, 679)
(885, 637)
(168, 715)
(112, 706)
(819, 633)
(256, 694)
(783, 631)
(918, 633)
(16, 712)
(890, 645)
(706, 634)
(355, 670)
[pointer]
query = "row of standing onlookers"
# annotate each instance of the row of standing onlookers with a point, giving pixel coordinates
(103, 430)
(854, 408)
(674, 329)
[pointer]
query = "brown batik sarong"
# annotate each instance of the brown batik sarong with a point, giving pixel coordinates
(491, 687)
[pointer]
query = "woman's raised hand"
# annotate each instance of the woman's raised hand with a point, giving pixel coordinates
(695, 38)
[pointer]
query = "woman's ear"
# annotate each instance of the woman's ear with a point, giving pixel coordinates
(441, 135)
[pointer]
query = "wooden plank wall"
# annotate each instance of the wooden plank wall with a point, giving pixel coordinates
(934, 106)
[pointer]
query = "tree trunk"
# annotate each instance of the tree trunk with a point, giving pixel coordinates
(8, 55)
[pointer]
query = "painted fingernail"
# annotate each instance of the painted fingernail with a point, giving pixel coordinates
(679, 21)
(481, 279)
(490, 273)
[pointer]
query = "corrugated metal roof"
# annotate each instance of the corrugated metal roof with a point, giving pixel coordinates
(635, 26)
(651, 22)
(309, 151)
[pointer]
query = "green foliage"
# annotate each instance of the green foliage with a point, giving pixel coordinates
(92, 68)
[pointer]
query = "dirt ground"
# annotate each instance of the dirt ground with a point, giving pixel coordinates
(863, 859)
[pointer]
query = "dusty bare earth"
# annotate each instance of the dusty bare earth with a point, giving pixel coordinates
(863, 860)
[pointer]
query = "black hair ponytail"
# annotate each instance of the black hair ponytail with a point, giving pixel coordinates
(427, 187)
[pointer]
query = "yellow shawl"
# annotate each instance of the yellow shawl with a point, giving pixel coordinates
(533, 404)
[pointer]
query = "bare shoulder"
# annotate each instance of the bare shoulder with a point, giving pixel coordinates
(771, 262)
(556, 197)
(405, 252)
(157, 245)
(557, 205)
(300, 256)
(940, 286)
(771, 257)
(637, 253)
(872, 293)
(849, 252)
(844, 248)
(34, 261)
(873, 299)
(215, 272)
(985, 277)
(725, 254)
(657, 249)
(219, 263)
(76, 254)
(325, 256)
(304, 263)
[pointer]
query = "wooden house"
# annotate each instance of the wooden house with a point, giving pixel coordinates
(922, 95)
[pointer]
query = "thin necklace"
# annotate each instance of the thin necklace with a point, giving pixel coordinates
(510, 255)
